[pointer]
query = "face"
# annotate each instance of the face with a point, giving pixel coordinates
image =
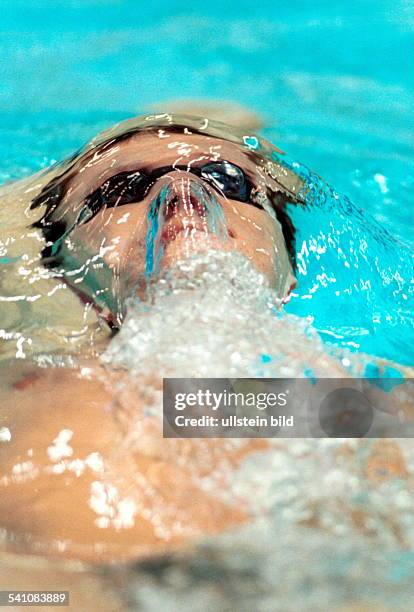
(132, 207)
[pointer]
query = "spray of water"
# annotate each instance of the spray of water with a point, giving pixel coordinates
(213, 314)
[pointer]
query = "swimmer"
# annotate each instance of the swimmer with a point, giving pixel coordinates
(112, 219)
(96, 216)
(157, 190)
(111, 222)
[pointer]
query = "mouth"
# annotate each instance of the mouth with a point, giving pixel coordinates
(191, 228)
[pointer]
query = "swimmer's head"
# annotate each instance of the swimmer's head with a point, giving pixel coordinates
(157, 189)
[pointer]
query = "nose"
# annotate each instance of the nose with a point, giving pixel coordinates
(180, 193)
(185, 197)
(181, 205)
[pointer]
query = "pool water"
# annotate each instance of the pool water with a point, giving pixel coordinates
(334, 83)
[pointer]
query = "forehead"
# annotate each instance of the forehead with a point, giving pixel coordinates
(156, 148)
(149, 150)
(191, 148)
(151, 142)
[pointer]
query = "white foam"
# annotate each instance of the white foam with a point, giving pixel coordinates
(214, 315)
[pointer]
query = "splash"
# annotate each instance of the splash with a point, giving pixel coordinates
(354, 279)
(214, 315)
(350, 271)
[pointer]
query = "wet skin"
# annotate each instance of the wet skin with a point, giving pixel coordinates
(74, 484)
(71, 496)
(72, 499)
(72, 504)
(119, 232)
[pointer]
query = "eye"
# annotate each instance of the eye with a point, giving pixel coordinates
(227, 177)
(123, 188)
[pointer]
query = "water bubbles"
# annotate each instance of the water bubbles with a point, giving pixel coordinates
(213, 314)
(5, 434)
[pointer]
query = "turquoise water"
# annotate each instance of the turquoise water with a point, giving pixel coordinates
(334, 82)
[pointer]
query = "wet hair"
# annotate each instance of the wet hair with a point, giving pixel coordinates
(280, 202)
